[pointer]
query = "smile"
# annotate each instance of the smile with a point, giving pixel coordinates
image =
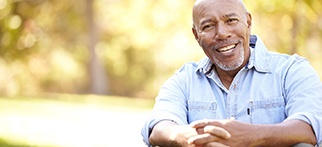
(226, 49)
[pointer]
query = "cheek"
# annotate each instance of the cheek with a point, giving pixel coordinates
(204, 40)
(206, 50)
(243, 32)
(240, 29)
(207, 36)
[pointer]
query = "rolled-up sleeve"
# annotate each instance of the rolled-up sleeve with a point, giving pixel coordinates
(303, 89)
(170, 105)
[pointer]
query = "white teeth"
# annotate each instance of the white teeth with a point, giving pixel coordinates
(224, 49)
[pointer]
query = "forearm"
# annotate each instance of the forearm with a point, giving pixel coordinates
(284, 134)
(167, 133)
(160, 134)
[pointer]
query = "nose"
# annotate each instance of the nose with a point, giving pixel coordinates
(222, 32)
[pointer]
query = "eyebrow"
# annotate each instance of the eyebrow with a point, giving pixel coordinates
(205, 21)
(229, 15)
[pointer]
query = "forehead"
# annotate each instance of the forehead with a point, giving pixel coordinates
(219, 3)
(217, 8)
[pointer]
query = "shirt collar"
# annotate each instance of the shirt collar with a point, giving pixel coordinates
(205, 66)
(259, 58)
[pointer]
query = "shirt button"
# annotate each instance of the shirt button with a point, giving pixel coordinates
(235, 86)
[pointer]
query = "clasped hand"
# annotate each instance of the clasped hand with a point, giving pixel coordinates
(220, 133)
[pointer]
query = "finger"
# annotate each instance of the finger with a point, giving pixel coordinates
(200, 123)
(215, 144)
(202, 139)
(200, 130)
(205, 122)
(217, 131)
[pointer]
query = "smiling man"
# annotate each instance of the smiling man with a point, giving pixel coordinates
(240, 94)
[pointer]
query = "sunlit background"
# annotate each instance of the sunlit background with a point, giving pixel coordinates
(85, 72)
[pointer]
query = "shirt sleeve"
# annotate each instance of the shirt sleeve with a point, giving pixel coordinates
(170, 104)
(303, 89)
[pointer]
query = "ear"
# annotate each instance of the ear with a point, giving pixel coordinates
(249, 20)
(195, 33)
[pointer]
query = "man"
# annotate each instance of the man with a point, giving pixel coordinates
(240, 95)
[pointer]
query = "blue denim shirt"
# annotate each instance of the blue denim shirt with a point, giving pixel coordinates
(270, 89)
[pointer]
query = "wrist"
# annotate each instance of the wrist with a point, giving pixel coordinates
(177, 137)
(258, 137)
(162, 133)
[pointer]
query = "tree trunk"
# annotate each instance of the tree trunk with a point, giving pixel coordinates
(98, 78)
(295, 29)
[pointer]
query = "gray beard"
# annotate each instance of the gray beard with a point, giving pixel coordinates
(233, 64)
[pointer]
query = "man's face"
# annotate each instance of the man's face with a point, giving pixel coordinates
(222, 29)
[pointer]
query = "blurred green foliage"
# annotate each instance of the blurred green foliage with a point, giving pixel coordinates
(43, 43)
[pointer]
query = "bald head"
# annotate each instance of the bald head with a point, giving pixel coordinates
(239, 2)
(199, 1)
(201, 5)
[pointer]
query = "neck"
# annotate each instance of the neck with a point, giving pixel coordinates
(227, 77)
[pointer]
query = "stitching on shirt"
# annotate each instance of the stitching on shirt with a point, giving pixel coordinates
(269, 103)
(198, 105)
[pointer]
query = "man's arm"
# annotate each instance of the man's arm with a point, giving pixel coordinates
(168, 133)
(287, 133)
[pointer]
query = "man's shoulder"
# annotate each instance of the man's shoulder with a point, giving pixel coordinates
(194, 66)
(265, 60)
(282, 62)
(263, 52)
(284, 57)
(189, 65)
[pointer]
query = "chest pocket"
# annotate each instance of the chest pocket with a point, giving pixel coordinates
(267, 111)
(198, 110)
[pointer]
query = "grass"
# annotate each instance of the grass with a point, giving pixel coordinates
(72, 121)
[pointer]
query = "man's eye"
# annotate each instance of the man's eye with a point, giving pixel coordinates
(207, 27)
(232, 21)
